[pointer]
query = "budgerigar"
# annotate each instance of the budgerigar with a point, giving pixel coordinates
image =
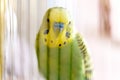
(61, 54)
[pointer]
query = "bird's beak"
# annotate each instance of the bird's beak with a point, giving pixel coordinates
(61, 29)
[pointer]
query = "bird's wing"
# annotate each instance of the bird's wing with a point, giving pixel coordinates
(85, 56)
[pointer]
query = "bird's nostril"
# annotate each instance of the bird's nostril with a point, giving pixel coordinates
(61, 25)
(47, 20)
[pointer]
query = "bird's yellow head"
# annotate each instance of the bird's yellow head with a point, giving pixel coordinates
(57, 26)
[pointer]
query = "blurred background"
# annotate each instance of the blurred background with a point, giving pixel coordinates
(96, 20)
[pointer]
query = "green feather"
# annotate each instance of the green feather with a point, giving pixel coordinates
(63, 63)
(85, 57)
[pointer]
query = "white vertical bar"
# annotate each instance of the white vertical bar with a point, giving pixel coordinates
(18, 55)
(115, 19)
(12, 46)
(9, 36)
(25, 39)
(41, 9)
(33, 31)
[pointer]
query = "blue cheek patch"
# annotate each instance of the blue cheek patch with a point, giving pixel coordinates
(67, 34)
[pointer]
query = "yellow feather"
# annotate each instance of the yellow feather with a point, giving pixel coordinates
(54, 39)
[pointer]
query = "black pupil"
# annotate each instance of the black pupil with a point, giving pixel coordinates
(47, 20)
(46, 31)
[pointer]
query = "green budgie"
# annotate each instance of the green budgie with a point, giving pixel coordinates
(61, 54)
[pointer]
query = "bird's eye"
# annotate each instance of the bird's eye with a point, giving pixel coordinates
(47, 20)
(46, 31)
